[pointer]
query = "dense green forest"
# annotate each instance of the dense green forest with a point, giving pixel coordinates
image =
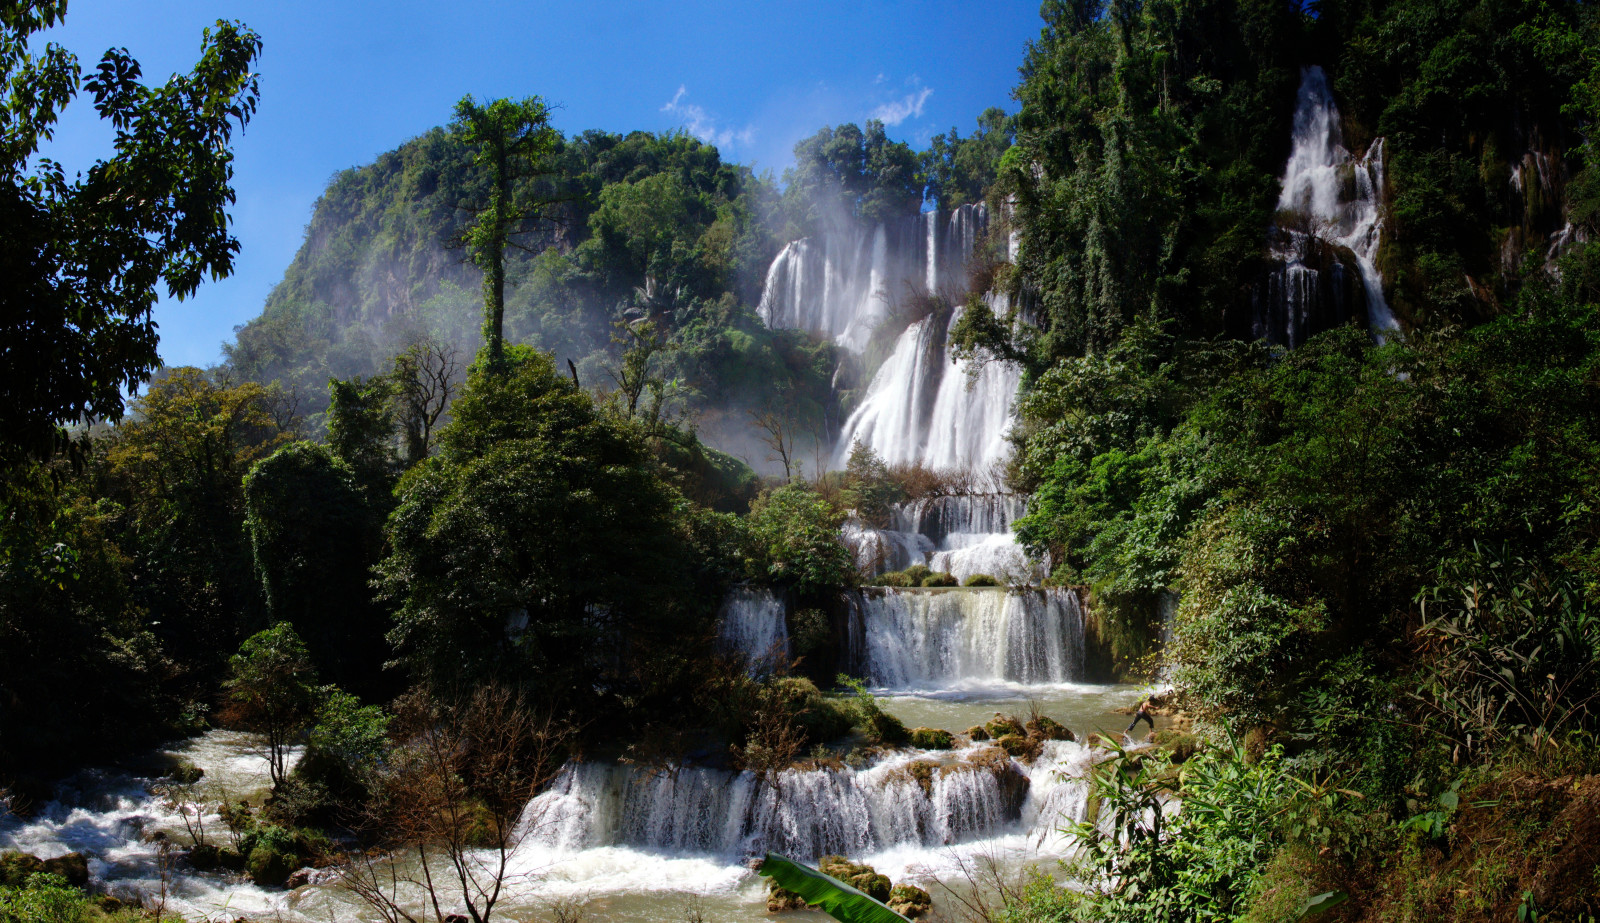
(360, 533)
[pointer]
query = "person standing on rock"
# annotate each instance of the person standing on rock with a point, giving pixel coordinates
(1142, 714)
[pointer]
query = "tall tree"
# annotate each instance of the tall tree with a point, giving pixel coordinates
(513, 138)
(80, 259)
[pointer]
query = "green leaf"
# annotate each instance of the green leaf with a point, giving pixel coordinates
(839, 900)
(1327, 900)
(1450, 800)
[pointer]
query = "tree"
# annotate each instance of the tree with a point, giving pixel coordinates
(513, 138)
(80, 259)
(273, 690)
(540, 543)
(315, 534)
(177, 469)
(424, 379)
(796, 534)
(451, 805)
(361, 427)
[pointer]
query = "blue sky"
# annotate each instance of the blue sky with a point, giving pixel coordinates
(345, 80)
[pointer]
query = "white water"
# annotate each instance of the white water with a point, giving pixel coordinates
(928, 640)
(808, 813)
(961, 534)
(1337, 200)
(752, 624)
(112, 818)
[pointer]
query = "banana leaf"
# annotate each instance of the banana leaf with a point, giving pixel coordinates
(829, 894)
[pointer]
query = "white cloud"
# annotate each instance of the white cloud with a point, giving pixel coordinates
(697, 122)
(908, 106)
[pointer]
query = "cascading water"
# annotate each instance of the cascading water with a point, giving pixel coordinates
(938, 639)
(961, 534)
(969, 795)
(1329, 226)
(752, 623)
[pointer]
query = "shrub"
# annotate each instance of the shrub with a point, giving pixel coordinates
(881, 726)
(44, 898)
(797, 543)
(916, 573)
(940, 580)
(981, 580)
(895, 578)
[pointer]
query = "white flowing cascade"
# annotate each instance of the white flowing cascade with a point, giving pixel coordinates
(809, 813)
(1339, 199)
(963, 535)
(752, 623)
(927, 640)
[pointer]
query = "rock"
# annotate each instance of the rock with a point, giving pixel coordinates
(15, 867)
(1045, 728)
(977, 733)
(909, 901)
(204, 858)
(863, 878)
(1023, 748)
(932, 739)
(186, 774)
(299, 879)
(1178, 744)
(230, 859)
(267, 866)
(782, 899)
(109, 904)
(1001, 725)
(74, 867)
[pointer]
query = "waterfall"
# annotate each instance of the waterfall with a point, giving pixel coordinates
(920, 407)
(751, 623)
(962, 534)
(927, 639)
(1329, 226)
(806, 813)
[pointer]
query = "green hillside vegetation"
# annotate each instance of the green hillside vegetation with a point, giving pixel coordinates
(1385, 556)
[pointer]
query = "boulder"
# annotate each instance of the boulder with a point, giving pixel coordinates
(15, 867)
(1019, 746)
(74, 867)
(910, 901)
(204, 858)
(1001, 725)
(782, 899)
(1045, 728)
(186, 774)
(268, 866)
(863, 878)
(299, 879)
(932, 739)
(977, 733)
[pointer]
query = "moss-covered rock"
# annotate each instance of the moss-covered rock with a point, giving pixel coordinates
(204, 858)
(863, 878)
(979, 580)
(886, 729)
(932, 739)
(782, 899)
(940, 580)
(995, 761)
(1042, 727)
(894, 578)
(1019, 746)
(921, 772)
(1180, 745)
(186, 774)
(15, 867)
(1002, 725)
(917, 573)
(910, 901)
(74, 867)
(977, 733)
(269, 866)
